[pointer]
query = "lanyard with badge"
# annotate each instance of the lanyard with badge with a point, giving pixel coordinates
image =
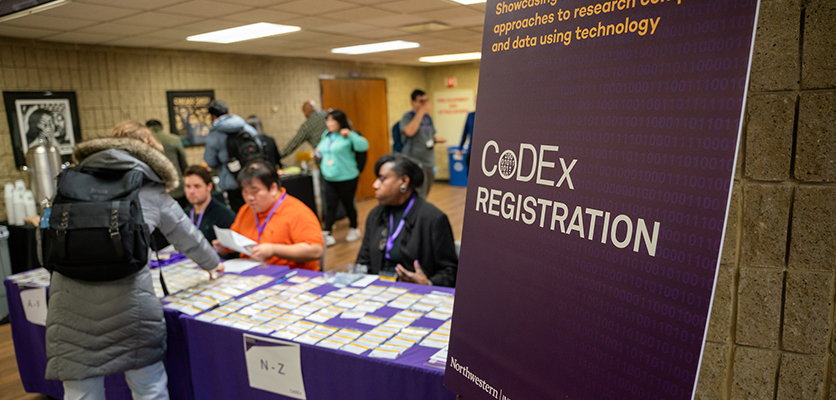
(200, 217)
(392, 232)
(261, 227)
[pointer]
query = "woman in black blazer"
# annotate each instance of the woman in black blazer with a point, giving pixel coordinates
(404, 233)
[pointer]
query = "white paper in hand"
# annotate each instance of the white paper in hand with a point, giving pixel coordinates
(239, 265)
(234, 240)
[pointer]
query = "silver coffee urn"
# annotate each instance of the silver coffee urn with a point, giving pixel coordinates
(43, 162)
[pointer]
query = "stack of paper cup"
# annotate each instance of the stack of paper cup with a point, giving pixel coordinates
(10, 207)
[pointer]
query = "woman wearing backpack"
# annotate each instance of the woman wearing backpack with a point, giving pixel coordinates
(104, 327)
(338, 163)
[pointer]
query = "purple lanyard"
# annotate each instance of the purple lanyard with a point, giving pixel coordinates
(200, 217)
(261, 227)
(390, 241)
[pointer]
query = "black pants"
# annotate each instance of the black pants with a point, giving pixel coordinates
(340, 192)
(236, 200)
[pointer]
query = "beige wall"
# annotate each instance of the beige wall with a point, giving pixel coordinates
(113, 84)
(770, 335)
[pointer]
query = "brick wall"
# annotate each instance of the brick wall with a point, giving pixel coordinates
(771, 329)
(113, 84)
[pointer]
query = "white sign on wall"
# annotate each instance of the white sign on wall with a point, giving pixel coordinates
(274, 366)
(450, 109)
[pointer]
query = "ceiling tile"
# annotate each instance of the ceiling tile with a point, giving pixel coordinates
(461, 22)
(480, 7)
(261, 15)
(50, 23)
(28, 33)
(396, 21)
(78, 37)
(205, 8)
(159, 20)
(412, 6)
(313, 7)
(389, 34)
(455, 12)
(88, 12)
(133, 4)
(312, 23)
(345, 27)
(305, 35)
(209, 25)
(456, 35)
(117, 29)
(167, 34)
(359, 14)
(368, 2)
(139, 42)
(340, 41)
(258, 3)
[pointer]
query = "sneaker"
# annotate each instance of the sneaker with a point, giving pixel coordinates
(353, 234)
(329, 240)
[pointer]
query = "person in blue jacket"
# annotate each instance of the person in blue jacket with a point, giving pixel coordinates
(338, 163)
(215, 154)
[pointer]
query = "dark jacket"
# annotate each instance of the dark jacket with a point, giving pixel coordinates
(102, 328)
(216, 213)
(271, 150)
(426, 237)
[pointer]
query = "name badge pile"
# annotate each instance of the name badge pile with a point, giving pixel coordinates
(358, 321)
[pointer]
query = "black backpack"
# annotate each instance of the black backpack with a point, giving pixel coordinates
(96, 231)
(242, 148)
(360, 157)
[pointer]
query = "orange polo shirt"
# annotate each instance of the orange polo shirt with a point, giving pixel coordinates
(293, 222)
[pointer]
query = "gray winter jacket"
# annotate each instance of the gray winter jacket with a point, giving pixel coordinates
(215, 153)
(101, 328)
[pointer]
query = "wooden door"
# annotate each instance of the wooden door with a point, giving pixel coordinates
(364, 103)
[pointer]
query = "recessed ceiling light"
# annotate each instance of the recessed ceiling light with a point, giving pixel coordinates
(376, 47)
(246, 32)
(451, 57)
(466, 2)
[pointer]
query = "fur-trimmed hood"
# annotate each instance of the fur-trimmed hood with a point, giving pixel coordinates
(121, 153)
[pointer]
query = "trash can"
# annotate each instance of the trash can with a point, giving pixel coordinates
(458, 166)
(5, 270)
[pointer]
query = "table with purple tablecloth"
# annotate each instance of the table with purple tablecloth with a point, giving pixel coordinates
(30, 349)
(217, 359)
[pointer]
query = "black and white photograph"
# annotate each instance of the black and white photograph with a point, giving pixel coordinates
(49, 117)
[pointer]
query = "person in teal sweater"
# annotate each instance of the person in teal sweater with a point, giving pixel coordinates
(338, 164)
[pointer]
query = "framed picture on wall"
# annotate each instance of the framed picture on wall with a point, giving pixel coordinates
(48, 116)
(188, 114)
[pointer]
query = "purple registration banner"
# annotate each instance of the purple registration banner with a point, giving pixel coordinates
(603, 160)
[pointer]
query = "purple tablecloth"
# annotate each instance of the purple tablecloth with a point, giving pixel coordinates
(30, 349)
(219, 368)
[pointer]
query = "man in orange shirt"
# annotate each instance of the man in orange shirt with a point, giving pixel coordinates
(286, 230)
